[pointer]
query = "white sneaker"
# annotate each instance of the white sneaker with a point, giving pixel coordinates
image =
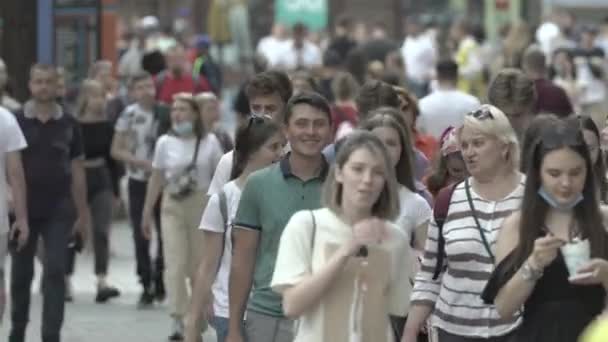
(178, 330)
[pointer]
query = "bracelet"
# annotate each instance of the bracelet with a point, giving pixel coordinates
(529, 273)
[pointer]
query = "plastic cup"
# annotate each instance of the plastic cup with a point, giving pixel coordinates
(576, 254)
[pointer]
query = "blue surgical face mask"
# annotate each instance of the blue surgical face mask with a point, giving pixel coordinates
(555, 204)
(183, 128)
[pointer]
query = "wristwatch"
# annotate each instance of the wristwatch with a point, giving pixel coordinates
(529, 273)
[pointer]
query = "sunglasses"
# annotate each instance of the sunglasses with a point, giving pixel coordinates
(481, 114)
(255, 119)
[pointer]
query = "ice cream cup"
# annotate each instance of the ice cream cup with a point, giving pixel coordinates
(576, 254)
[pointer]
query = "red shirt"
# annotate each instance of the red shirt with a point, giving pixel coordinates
(340, 114)
(552, 99)
(427, 144)
(168, 85)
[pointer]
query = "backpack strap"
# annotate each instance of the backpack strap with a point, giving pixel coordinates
(224, 212)
(440, 214)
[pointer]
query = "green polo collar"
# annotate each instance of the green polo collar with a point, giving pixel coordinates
(286, 168)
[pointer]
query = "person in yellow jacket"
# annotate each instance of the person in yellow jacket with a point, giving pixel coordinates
(597, 331)
(468, 57)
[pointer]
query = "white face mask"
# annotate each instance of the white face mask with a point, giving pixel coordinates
(552, 202)
(183, 128)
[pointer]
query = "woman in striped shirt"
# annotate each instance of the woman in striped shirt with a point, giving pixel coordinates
(477, 208)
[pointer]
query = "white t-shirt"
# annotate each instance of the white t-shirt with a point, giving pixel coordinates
(221, 176)
(420, 57)
(309, 56)
(444, 108)
(140, 127)
(214, 222)
(271, 48)
(173, 154)
(361, 296)
(11, 140)
(414, 211)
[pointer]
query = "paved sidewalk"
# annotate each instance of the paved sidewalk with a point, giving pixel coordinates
(116, 321)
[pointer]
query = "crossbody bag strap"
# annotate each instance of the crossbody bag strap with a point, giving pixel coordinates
(474, 213)
(195, 155)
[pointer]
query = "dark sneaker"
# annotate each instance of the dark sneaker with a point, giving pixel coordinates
(146, 300)
(106, 293)
(159, 289)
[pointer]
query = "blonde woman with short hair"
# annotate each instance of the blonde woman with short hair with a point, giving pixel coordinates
(450, 293)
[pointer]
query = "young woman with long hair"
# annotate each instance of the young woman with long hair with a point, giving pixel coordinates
(258, 144)
(102, 189)
(551, 254)
(344, 268)
(414, 211)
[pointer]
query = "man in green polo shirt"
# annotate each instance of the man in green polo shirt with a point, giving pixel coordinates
(268, 200)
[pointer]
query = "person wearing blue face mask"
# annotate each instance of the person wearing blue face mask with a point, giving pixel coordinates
(551, 256)
(183, 164)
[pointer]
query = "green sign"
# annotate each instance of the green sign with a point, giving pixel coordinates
(312, 13)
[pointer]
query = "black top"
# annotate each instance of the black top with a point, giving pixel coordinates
(47, 160)
(97, 141)
(557, 310)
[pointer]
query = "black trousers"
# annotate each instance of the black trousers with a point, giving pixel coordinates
(55, 233)
(398, 323)
(100, 199)
(146, 270)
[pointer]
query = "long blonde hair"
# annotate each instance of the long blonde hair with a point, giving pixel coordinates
(82, 102)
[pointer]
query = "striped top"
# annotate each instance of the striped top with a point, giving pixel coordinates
(456, 294)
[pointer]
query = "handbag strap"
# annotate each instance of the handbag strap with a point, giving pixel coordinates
(195, 155)
(474, 213)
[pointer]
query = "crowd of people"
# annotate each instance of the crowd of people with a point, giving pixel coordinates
(445, 190)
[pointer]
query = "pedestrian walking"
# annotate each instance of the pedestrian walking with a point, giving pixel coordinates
(56, 183)
(136, 132)
(551, 255)
(258, 145)
(12, 195)
(97, 132)
(344, 268)
(268, 201)
(459, 253)
(268, 92)
(183, 164)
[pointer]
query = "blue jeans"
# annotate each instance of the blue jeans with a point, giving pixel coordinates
(220, 324)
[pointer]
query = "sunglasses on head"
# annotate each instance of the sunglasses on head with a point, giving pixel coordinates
(258, 119)
(481, 114)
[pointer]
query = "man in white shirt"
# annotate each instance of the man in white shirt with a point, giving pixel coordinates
(419, 55)
(447, 106)
(11, 169)
(268, 92)
(299, 53)
(272, 45)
